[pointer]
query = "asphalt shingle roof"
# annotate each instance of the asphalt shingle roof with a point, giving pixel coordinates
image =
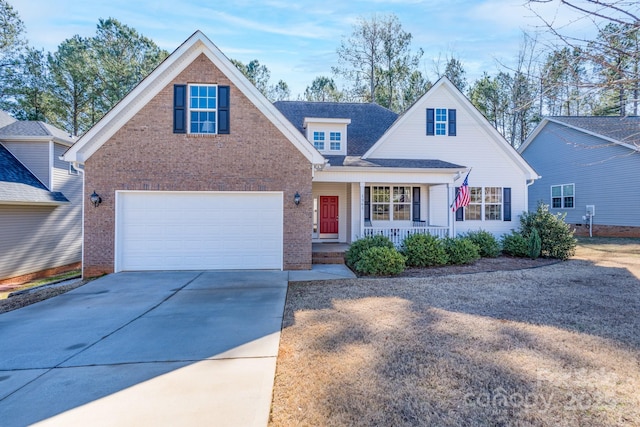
(33, 128)
(622, 129)
(391, 163)
(368, 121)
(18, 185)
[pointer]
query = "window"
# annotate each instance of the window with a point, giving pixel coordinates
(384, 207)
(484, 204)
(473, 211)
(318, 140)
(441, 121)
(562, 196)
(380, 204)
(493, 204)
(402, 203)
(334, 140)
(202, 109)
(73, 170)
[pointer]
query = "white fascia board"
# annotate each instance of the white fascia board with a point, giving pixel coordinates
(325, 120)
(173, 65)
(26, 203)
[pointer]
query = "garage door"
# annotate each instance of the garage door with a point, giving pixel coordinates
(198, 230)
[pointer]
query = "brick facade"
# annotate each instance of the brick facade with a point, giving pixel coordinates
(145, 154)
(608, 230)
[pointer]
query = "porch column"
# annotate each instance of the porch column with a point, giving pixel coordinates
(361, 210)
(449, 202)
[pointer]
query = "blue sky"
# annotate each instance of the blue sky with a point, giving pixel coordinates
(297, 39)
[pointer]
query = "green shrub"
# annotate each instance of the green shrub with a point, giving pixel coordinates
(515, 244)
(354, 253)
(534, 244)
(488, 244)
(424, 250)
(380, 261)
(556, 236)
(461, 250)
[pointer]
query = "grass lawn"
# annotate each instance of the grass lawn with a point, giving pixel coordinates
(555, 345)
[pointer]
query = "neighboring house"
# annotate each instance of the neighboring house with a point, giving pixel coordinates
(40, 202)
(198, 170)
(588, 164)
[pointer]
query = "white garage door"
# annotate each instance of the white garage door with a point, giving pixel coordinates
(198, 230)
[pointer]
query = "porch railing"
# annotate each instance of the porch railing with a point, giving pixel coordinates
(398, 234)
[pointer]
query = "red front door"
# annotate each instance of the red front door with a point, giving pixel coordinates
(328, 214)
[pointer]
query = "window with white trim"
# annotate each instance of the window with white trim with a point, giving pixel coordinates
(318, 140)
(562, 196)
(203, 110)
(485, 203)
(441, 121)
(73, 170)
(334, 140)
(391, 203)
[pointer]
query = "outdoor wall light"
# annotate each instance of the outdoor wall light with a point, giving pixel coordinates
(95, 199)
(296, 198)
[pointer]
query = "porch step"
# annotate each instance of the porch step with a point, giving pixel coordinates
(327, 258)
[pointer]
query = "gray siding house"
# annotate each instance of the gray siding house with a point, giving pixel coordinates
(40, 202)
(588, 164)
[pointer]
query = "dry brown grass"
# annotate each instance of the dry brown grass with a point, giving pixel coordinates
(556, 345)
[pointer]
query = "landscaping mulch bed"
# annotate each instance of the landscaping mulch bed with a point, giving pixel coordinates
(36, 295)
(483, 265)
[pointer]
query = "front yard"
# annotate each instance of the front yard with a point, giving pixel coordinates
(555, 345)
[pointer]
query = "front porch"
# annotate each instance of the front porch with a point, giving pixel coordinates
(328, 253)
(346, 212)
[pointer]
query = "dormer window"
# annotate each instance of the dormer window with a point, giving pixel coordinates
(328, 135)
(334, 139)
(318, 140)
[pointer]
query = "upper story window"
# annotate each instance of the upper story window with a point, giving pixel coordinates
(334, 141)
(73, 170)
(318, 140)
(201, 109)
(203, 103)
(562, 196)
(441, 121)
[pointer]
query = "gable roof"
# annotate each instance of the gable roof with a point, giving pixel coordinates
(624, 131)
(161, 76)
(445, 84)
(5, 119)
(19, 186)
(25, 129)
(368, 121)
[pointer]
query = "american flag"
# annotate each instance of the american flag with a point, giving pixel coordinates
(462, 198)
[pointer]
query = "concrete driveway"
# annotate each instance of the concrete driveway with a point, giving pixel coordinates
(152, 348)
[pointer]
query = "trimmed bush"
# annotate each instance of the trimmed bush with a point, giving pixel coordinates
(380, 261)
(556, 236)
(355, 251)
(515, 244)
(534, 244)
(488, 244)
(424, 250)
(461, 250)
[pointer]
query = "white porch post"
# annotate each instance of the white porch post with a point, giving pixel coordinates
(361, 209)
(450, 223)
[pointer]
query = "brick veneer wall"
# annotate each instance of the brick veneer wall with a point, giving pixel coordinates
(145, 154)
(608, 230)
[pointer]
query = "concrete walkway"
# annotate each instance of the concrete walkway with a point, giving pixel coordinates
(153, 348)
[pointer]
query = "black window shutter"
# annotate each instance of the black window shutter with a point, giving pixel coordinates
(179, 108)
(430, 121)
(460, 211)
(506, 203)
(452, 122)
(367, 203)
(416, 203)
(223, 110)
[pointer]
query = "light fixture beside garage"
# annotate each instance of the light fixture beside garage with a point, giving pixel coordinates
(296, 198)
(95, 199)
